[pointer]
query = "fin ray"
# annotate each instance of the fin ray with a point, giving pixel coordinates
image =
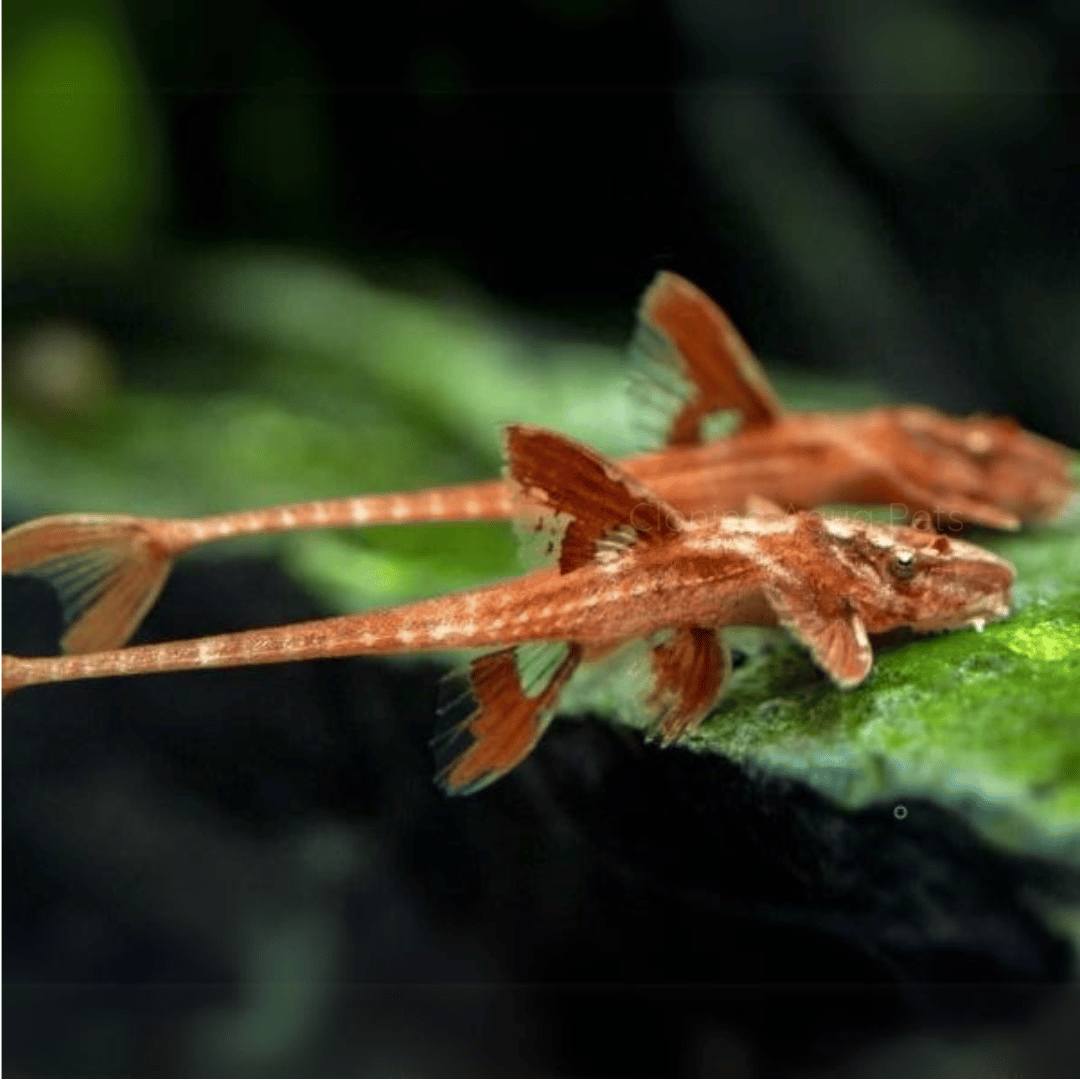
(510, 699)
(680, 327)
(689, 670)
(107, 571)
(579, 500)
(838, 642)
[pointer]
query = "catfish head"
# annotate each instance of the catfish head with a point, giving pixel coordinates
(909, 577)
(989, 459)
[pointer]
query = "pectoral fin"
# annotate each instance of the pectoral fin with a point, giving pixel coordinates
(943, 511)
(837, 640)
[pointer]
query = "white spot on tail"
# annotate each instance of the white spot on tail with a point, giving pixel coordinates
(206, 653)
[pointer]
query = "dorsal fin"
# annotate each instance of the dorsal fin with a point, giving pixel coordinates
(678, 325)
(599, 508)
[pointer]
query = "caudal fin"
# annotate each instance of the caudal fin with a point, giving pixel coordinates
(106, 569)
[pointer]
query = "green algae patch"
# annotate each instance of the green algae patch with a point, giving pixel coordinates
(1044, 642)
(988, 723)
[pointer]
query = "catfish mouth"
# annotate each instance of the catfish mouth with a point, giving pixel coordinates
(987, 582)
(982, 610)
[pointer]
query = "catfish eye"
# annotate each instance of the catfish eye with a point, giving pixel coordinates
(902, 564)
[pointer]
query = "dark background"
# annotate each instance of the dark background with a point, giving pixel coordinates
(244, 880)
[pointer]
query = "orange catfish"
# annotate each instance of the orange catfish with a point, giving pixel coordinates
(929, 467)
(630, 568)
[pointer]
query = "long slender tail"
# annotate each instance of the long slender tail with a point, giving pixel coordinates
(507, 717)
(479, 618)
(108, 569)
(19, 671)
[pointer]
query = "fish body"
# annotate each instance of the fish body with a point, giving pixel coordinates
(935, 470)
(629, 566)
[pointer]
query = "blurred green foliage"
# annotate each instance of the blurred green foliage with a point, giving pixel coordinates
(82, 151)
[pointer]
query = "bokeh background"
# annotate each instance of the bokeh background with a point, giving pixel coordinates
(256, 252)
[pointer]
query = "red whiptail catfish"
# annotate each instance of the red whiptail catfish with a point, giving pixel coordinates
(108, 569)
(630, 568)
